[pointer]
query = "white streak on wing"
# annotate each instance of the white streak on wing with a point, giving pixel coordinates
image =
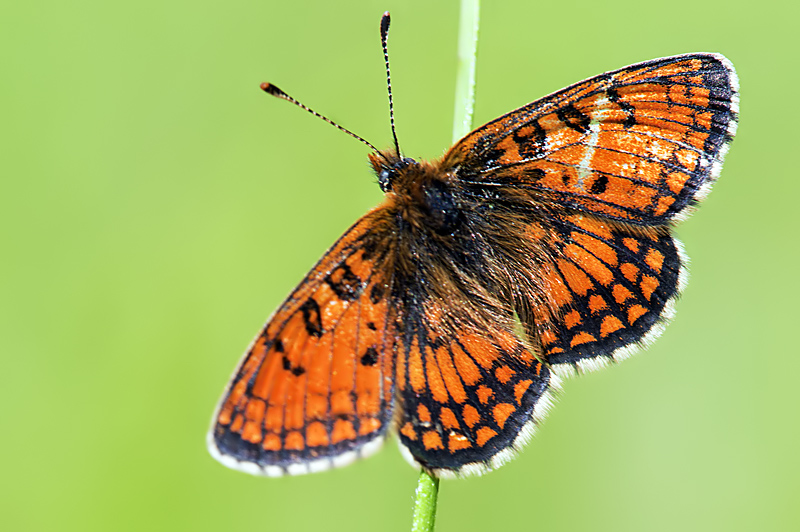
(585, 166)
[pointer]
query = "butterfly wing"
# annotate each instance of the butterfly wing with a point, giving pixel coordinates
(469, 391)
(315, 388)
(638, 145)
(583, 186)
(607, 289)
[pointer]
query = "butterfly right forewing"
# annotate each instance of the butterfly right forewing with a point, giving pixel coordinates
(584, 186)
(640, 145)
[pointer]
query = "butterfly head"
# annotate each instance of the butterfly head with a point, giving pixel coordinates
(423, 195)
(388, 167)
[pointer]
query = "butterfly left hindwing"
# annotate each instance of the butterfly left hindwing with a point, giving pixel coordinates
(468, 395)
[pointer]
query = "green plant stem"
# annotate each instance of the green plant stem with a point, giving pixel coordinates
(465, 68)
(427, 492)
(425, 503)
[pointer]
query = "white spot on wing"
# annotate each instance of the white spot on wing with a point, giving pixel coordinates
(585, 166)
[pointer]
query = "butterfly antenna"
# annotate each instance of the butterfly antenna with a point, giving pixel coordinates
(386, 19)
(269, 88)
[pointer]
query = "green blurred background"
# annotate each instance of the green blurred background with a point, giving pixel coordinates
(156, 207)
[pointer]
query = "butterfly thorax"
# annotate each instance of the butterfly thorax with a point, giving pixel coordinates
(432, 249)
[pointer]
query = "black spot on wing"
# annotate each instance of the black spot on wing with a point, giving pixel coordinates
(574, 118)
(534, 174)
(376, 293)
(370, 357)
(599, 185)
(630, 114)
(345, 284)
(312, 318)
(530, 145)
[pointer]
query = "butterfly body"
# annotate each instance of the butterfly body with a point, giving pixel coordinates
(539, 245)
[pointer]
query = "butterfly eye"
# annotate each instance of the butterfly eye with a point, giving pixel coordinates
(387, 175)
(384, 180)
(443, 213)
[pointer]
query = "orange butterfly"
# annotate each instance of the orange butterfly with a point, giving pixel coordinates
(539, 246)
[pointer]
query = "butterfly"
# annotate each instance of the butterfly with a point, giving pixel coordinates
(539, 246)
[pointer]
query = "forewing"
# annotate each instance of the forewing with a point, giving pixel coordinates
(640, 145)
(469, 395)
(315, 388)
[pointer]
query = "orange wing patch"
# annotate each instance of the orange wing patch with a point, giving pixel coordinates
(316, 386)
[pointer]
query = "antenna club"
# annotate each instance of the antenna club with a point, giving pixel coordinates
(269, 88)
(386, 19)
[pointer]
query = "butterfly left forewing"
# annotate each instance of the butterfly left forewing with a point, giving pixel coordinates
(315, 388)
